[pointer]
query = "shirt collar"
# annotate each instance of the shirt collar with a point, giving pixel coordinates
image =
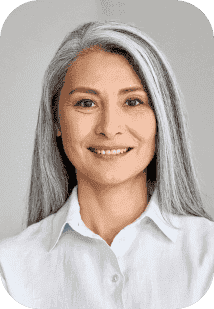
(68, 217)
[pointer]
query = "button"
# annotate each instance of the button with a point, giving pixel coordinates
(115, 278)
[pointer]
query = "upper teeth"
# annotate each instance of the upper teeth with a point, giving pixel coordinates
(114, 151)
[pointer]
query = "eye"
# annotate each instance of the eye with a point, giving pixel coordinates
(86, 102)
(89, 102)
(134, 100)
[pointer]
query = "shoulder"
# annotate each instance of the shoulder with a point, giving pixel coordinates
(197, 234)
(35, 238)
(30, 239)
(197, 225)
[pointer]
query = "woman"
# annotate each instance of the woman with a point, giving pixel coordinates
(115, 217)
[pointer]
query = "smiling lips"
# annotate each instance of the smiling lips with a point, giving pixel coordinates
(109, 151)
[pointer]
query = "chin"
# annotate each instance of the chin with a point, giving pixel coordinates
(112, 179)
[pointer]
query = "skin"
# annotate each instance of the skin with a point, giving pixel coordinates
(112, 194)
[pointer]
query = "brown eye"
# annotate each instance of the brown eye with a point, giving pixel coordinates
(133, 102)
(87, 103)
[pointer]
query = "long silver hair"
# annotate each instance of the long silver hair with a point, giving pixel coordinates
(171, 172)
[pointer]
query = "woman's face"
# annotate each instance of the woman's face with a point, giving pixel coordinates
(99, 112)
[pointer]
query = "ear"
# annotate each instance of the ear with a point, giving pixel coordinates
(59, 133)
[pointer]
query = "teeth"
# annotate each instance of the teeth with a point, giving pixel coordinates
(110, 152)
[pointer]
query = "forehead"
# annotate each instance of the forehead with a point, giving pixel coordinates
(96, 64)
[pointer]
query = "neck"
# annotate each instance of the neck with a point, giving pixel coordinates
(106, 209)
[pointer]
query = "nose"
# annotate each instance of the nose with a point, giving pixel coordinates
(111, 122)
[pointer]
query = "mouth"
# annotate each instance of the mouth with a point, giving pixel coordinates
(114, 152)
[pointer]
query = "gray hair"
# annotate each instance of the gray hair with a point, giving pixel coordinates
(171, 172)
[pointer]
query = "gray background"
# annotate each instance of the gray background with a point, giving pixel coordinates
(29, 39)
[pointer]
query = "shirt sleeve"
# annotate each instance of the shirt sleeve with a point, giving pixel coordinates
(3, 279)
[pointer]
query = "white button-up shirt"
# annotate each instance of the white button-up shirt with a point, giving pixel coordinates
(60, 263)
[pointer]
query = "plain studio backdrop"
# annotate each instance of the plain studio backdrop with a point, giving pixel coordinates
(29, 39)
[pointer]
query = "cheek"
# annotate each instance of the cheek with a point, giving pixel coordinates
(75, 128)
(146, 128)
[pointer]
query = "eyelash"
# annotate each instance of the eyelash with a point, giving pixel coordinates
(141, 102)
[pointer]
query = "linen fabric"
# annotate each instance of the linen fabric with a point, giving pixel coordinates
(60, 263)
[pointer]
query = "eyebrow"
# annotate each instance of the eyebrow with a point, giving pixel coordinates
(122, 91)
